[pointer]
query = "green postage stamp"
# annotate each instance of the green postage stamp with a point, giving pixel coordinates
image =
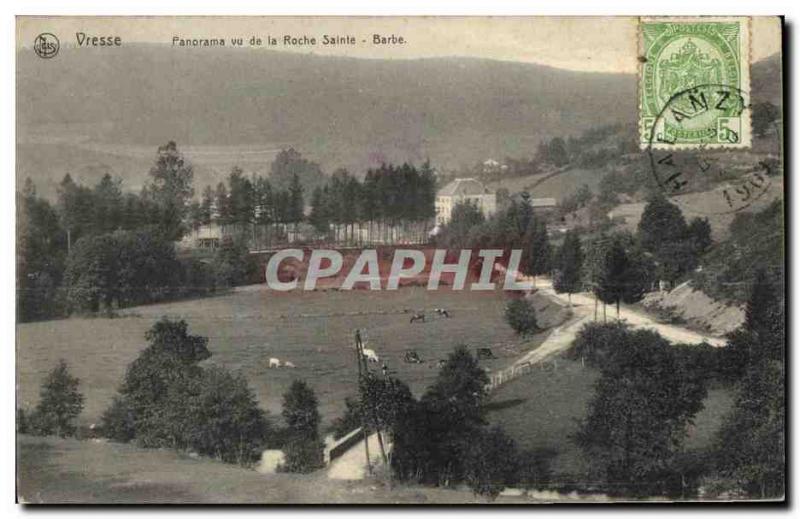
(694, 83)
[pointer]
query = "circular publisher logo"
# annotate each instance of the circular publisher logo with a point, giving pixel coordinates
(46, 45)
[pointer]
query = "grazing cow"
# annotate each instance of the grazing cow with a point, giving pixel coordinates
(484, 353)
(443, 312)
(274, 363)
(418, 316)
(412, 357)
(370, 355)
(288, 364)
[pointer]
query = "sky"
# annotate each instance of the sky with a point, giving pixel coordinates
(593, 44)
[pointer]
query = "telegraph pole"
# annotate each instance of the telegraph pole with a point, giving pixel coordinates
(359, 360)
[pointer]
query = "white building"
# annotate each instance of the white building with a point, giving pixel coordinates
(204, 237)
(463, 190)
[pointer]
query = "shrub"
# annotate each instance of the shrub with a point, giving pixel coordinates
(122, 268)
(431, 437)
(118, 421)
(167, 400)
(59, 405)
(490, 463)
(233, 264)
(521, 316)
(303, 449)
(533, 468)
(224, 419)
(595, 342)
(636, 421)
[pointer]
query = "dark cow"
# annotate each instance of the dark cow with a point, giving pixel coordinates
(443, 312)
(418, 316)
(412, 357)
(484, 353)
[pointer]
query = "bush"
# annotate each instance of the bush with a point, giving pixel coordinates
(225, 421)
(167, 400)
(118, 421)
(490, 463)
(302, 455)
(431, 437)
(521, 316)
(197, 276)
(595, 342)
(119, 269)
(303, 449)
(59, 405)
(636, 422)
(233, 264)
(533, 468)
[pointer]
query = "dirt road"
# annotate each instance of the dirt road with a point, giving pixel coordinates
(583, 307)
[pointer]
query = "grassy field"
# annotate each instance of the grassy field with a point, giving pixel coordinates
(314, 330)
(556, 187)
(51, 470)
(541, 411)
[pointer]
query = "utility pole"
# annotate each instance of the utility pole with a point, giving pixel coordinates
(359, 360)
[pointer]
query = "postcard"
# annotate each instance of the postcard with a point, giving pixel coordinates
(400, 260)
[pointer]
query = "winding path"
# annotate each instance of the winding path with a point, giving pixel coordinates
(350, 465)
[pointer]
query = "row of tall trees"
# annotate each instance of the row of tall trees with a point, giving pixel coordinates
(389, 196)
(342, 207)
(243, 201)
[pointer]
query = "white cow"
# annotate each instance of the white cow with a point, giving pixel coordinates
(370, 355)
(288, 364)
(274, 363)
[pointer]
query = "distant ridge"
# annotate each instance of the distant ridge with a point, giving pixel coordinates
(87, 109)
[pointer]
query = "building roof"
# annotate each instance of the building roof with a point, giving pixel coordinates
(463, 187)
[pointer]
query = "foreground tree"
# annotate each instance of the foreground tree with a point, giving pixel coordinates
(491, 463)
(303, 447)
(168, 400)
(432, 437)
(637, 419)
(751, 444)
(60, 403)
